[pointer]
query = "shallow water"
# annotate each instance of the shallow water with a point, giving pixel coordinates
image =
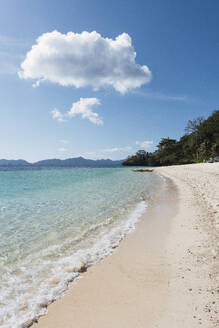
(54, 223)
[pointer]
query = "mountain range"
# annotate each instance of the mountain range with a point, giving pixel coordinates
(69, 162)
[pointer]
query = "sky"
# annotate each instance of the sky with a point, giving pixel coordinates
(102, 79)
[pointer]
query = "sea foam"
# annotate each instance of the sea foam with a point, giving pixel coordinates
(37, 273)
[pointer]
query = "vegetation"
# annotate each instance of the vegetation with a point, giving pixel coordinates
(200, 142)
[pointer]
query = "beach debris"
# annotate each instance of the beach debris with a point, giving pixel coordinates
(83, 268)
(143, 170)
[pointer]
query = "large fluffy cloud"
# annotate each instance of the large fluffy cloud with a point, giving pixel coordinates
(83, 107)
(84, 59)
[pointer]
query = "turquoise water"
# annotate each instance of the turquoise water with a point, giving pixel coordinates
(53, 222)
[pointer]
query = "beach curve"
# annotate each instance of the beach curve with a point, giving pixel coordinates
(163, 274)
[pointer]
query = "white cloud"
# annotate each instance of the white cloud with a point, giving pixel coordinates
(117, 149)
(161, 96)
(57, 115)
(62, 149)
(145, 144)
(82, 107)
(85, 59)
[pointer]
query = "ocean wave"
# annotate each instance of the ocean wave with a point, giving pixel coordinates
(42, 277)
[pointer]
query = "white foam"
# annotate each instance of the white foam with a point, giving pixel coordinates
(25, 304)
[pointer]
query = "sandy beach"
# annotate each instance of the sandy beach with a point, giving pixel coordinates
(164, 274)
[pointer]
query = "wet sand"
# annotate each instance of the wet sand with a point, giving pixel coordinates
(164, 273)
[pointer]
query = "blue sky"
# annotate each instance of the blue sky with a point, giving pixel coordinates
(176, 40)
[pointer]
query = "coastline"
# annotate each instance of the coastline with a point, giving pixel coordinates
(163, 273)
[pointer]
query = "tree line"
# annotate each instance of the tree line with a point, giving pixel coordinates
(199, 143)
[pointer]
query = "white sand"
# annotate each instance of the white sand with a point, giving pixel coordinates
(162, 275)
(194, 238)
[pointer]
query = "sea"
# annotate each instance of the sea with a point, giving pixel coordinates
(54, 224)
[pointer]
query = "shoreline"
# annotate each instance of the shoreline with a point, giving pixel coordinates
(154, 277)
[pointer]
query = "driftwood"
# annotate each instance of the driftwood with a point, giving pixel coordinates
(143, 170)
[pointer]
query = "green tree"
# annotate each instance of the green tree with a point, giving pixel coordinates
(200, 142)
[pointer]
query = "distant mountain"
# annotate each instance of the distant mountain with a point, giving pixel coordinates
(13, 162)
(69, 162)
(78, 162)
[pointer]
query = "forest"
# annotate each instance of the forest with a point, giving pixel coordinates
(200, 143)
